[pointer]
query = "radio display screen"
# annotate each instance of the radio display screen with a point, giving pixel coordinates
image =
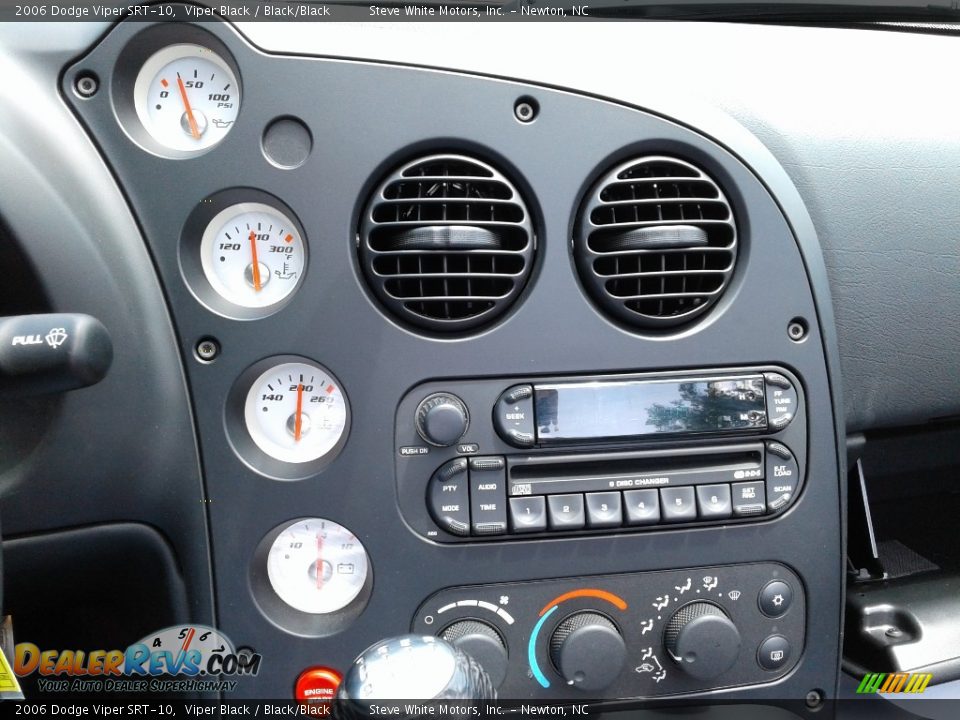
(616, 409)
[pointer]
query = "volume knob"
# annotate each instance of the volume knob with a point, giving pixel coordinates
(442, 419)
(702, 640)
(588, 650)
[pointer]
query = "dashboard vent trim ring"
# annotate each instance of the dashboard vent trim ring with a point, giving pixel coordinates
(656, 242)
(446, 243)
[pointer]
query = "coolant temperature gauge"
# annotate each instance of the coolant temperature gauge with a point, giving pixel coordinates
(253, 255)
(296, 412)
(317, 566)
(187, 97)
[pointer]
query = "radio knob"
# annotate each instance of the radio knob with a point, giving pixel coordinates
(588, 650)
(442, 419)
(483, 643)
(702, 640)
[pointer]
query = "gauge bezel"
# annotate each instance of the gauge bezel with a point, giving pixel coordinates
(130, 65)
(196, 227)
(289, 619)
(243, 443)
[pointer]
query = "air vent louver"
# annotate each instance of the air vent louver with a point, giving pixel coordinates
(656, 242)
(446, 243)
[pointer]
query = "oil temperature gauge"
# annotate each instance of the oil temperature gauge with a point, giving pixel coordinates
(296, 412)
(317, 566)
(252, 255)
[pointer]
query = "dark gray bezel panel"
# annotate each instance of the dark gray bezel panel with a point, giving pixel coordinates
(365, 119)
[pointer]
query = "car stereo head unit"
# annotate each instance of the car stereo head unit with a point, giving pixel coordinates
(590, 455)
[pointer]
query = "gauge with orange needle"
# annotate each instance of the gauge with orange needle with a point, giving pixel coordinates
(253, 255)
(187, 97)
(317, 566)
(296, 412)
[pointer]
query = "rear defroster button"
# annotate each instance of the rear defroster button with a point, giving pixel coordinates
(774, 653)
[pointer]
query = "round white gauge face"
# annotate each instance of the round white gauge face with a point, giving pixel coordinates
(296, 412)
(187, 97)
(252, 255)
(317, 566)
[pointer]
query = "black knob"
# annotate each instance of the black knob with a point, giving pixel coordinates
(442, 419)
(483, 643)
(702, 640)
(588, 650)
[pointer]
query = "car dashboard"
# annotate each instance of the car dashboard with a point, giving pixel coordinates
(556, 352)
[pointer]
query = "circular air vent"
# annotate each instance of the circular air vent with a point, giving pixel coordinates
(446, 243)
(656, 242)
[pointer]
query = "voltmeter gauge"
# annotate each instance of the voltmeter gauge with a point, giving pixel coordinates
(186, 97)
(253, 255)
(317, 566)
(296, 412)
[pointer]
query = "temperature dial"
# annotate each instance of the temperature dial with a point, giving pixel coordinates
(588, 650)
(317, 566)
(253, 255)
(187, 97)
(296, 412)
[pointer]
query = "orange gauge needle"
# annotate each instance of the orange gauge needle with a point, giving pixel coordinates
(256, 281)
(319, 557)
(194, 130)
(298, 420)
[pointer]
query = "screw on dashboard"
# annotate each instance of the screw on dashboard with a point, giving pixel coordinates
(814, 699)
(797, 329)
(86, 84)
(207, 349)
(526, 109)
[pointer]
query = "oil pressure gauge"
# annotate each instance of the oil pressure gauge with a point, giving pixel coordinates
(186, 97)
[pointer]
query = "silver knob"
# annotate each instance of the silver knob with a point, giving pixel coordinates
(412, 667)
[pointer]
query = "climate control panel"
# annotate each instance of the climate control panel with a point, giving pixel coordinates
(634, 635)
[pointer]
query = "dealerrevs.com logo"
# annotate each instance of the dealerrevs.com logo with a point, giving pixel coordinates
(182, 658)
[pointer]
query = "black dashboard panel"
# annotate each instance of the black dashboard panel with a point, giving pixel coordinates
(366, 120)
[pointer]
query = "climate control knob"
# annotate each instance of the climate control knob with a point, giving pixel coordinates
(702, 640)
(483, 643)
(442, 419)
(588, 650)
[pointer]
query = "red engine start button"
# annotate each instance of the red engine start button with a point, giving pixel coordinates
(317, 684)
